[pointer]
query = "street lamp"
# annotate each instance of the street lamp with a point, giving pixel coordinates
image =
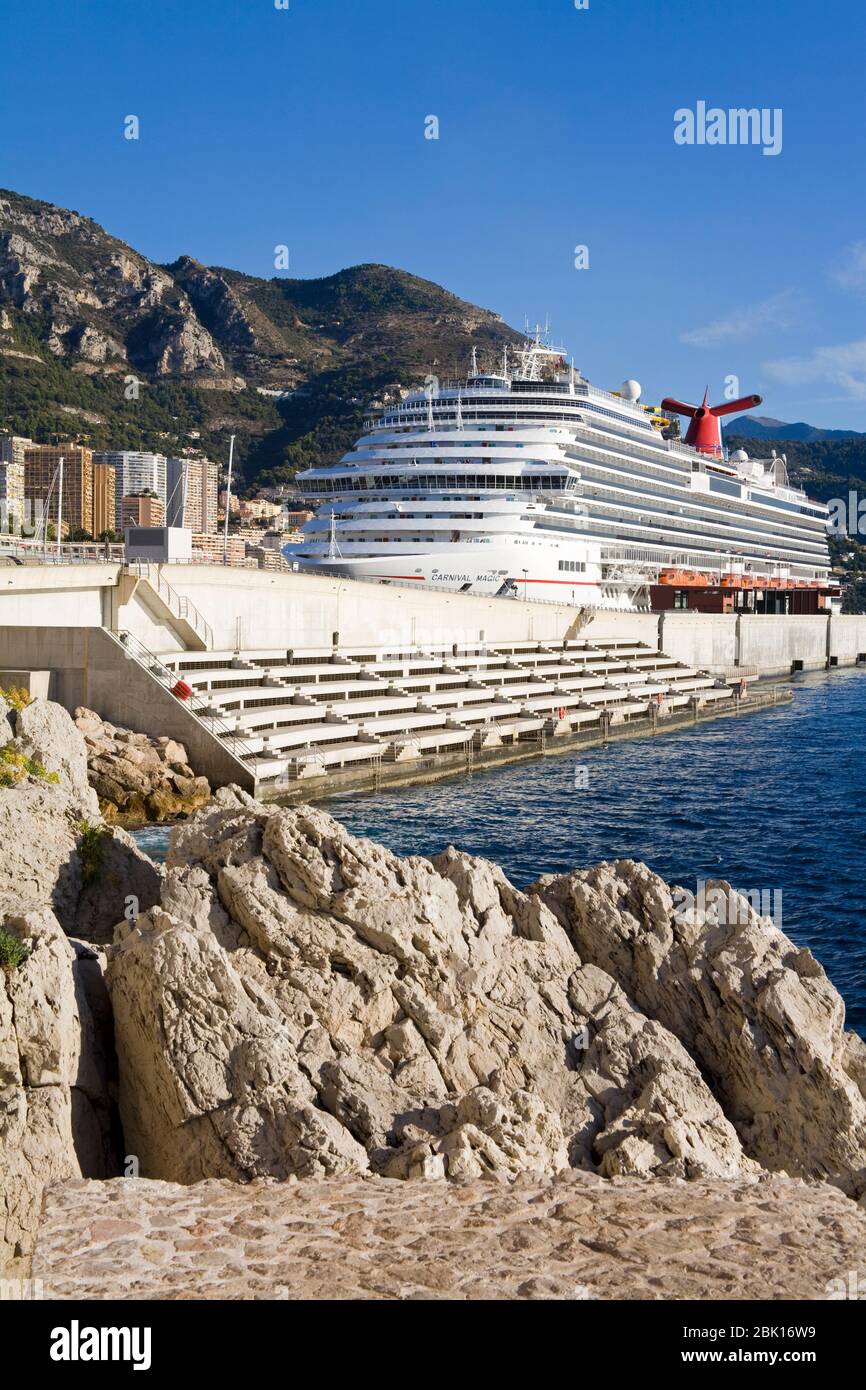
(525, 573)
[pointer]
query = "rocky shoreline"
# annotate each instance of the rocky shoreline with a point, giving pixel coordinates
(138, 779)
(287, 1004)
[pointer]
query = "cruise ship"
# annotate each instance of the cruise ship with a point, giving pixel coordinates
(530, 482)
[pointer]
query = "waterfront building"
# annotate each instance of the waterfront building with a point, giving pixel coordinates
(42, 483)
(136, 472)
(141, 510)
(12, 447)
(104, 500)
(192, 494)
(208, 545)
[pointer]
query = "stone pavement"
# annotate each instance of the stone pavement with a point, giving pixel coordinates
(574, 1236)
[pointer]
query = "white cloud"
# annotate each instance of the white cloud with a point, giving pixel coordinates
(843, 366)
(849, 268)
(779, 312)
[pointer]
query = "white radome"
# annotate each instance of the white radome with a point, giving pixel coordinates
(739, 456)
(630, 390)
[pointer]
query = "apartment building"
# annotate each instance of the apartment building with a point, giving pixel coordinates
(42, 483)
(192, 495)
(141, 511)
(104, 500)
(135, 473)
(12, 448)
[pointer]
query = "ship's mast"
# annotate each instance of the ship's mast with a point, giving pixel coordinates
(333, 548)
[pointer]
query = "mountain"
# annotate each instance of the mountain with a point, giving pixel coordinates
(765, 427)
(100, 343)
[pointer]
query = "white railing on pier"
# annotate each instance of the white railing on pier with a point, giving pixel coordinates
(135, 650)
(67, 553)
(181, 606)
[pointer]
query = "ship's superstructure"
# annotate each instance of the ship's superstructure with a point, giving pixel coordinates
(530, 481)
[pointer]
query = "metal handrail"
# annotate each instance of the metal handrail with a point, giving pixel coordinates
(164, 676)
(69, 553)
(182, 606)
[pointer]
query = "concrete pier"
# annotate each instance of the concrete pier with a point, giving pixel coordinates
(359, 684)
(173, 607)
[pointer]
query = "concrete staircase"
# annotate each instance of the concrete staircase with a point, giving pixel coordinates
(167, 604)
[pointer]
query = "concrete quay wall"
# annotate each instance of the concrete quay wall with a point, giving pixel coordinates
(254, 609)
(769, 645)
(87, 667)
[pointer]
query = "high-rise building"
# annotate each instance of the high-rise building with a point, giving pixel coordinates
(141, 511)
(12, 448)
(42, 482)
(104, 500)
(192, 494)
(135, 473)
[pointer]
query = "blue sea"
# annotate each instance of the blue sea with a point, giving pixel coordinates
(769, 801)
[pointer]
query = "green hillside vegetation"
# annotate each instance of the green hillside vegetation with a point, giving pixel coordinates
(826, 468)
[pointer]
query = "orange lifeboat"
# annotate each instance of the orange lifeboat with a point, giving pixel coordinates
(684, 578)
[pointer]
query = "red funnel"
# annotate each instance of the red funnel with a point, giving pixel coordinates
(704, 432)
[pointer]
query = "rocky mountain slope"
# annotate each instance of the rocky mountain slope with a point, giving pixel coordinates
(288, 1002)
(81, 312)
(766, 427)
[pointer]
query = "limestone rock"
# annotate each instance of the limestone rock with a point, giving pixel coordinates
(55, 1074)
(137, 777)
(215, 302)
(757, 1013)
(220, 1093)
(42, 834)
(7, 730)
(45, 731)
(431, 1017)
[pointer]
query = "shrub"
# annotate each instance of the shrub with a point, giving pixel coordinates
(12, 951)
(17, 696)
(91, 848)
(14, 767)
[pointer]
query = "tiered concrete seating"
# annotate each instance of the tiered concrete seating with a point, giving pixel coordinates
(299, 713)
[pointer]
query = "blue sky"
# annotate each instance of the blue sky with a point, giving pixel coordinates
(305, 127)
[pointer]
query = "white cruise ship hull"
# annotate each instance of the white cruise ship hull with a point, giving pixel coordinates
(462, 570)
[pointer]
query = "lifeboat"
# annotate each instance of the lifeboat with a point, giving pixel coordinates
(684, 578)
